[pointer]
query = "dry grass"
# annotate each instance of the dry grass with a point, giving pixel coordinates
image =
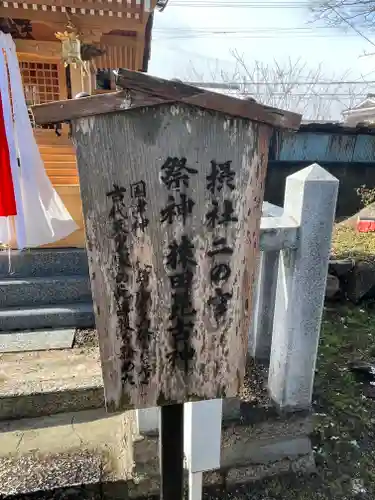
(347, 242)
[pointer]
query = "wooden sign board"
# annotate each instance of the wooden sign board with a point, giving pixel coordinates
(172, 197)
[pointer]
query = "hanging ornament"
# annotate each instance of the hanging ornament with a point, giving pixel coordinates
(71, 48)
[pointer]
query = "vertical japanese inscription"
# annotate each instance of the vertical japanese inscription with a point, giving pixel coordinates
(119, 221)
(120, 228)
(179, 260)
(142, 279)
(138, 194)
(175, 176)
(143, 323)
(220, 178)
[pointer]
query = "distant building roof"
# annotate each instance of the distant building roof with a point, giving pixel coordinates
(363, 107)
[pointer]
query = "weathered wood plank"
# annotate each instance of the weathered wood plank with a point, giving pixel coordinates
(115, 153)
(145, 90)
(71, 109)
(181, 92)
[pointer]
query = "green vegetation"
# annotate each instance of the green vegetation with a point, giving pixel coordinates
(344, 437)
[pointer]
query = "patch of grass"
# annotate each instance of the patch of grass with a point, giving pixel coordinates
(344, 436)
(347, 242)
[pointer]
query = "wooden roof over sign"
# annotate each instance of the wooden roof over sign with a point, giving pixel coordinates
(131, 9)
(142, 90)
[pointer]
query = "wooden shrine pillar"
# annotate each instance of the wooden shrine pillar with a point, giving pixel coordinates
(80, 81)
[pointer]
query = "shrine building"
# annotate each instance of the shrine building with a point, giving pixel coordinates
(108, 34)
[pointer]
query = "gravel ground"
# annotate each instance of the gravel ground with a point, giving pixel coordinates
(85, 338)
(30, 473)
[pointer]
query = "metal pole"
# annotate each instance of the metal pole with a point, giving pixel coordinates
(171, 452)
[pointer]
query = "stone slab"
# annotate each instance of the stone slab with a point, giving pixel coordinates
(63, 451)
(272, 426)
(36, 292)
(43, 262)
(340, 267)
(58, 433)
(37, 340)
(143, 485)
(303, 464)
(263, 452)
(41, 383)
(360, 281)
(78, 315)
(243, 443)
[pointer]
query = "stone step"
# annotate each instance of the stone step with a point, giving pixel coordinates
(41, 383)
(64, 146)
(64, 180)
(63, 451)
(37, 340)
(43, 263)
(78, 315)
(251, 449)
(27, 292)
(59, 162)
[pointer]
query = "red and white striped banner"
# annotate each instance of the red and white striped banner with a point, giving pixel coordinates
(7, 196)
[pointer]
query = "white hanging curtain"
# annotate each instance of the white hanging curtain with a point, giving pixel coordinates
(41, 215)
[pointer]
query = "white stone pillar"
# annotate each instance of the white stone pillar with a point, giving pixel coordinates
(264, 302)
(310, 198)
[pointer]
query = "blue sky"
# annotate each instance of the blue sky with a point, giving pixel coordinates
(175, 56)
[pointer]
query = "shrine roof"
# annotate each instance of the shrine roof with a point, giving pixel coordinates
(130, 9)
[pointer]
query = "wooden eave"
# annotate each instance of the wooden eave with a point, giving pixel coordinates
(129, 9)
(142, 90)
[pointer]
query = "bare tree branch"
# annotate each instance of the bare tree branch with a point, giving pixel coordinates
(292, 85)
(359, 15)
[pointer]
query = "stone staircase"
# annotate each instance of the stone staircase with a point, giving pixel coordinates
(60, 162)
(58, 156)
(43, 290)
